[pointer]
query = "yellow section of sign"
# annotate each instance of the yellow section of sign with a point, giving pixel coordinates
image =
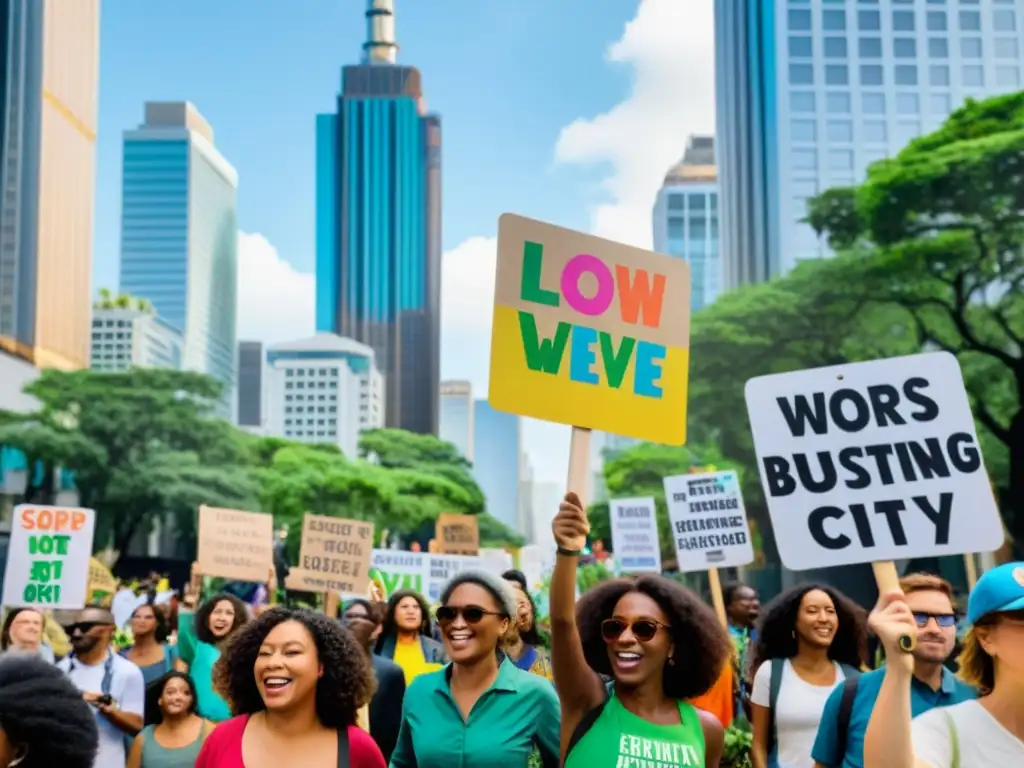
(515, 388)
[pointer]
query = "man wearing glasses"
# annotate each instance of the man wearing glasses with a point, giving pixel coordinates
(840, 741)
(110, 683)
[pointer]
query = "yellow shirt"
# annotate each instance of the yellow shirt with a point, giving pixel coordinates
(409, 656)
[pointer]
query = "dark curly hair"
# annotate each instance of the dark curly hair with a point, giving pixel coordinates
(700, 640)
(163, 630)
(154, 715)
(348, 680)
(389, 627)
(42, 710)
(5, 632)
(775, 638)
(202, 617)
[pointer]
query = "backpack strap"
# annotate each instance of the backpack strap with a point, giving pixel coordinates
(778, 666)
(845, 712)
(587, 722)
(344, 758)
(954, 737)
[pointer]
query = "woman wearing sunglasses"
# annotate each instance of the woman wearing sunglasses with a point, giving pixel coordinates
(480, 710)
(657, 641)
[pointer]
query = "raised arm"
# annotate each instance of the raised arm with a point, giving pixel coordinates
(580, 689)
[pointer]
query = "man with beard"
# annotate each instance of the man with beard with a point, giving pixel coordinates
(363, 620)
(110, 683)
(840, 741)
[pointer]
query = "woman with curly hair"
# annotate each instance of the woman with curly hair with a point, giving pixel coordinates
(405, 635)
(296, 681)
(44, 721)
(810, 639)
(480, 711)
(174, 733)
(523, 645)
(201, 639)
(657, 641)
(149, 650)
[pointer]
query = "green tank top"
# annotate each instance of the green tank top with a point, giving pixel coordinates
(155, 756)
(619, 739)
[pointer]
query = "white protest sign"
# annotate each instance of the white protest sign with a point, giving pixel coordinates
(48, 557)
(872, 462)
(709, 523)
(443, 568)
(394, 569)
(634, 525)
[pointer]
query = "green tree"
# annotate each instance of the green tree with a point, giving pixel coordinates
(143, 445)
(938, 231)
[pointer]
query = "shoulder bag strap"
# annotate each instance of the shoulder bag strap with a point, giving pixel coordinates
(845, 712)
(778, 665)
(344, 759)
(587, 722)
(108, 674)
(954, 737)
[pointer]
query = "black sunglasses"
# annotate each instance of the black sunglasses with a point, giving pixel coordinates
(945, 620)
(643, 630)
(84, 627)
(473, 614)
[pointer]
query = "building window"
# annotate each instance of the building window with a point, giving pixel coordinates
(835, 48)
(871, 74)
(799, 20)
(675, 228)
(805, 159)
(838, 103)
(938, 74)
(938, 47)
(904, 48)
(800, 46)
(1007, 48)
(870, 47)
(940, 104)
(837, 74)
(873, 103)
(697, 202)
(974, 76)
(906, 74)
(970, 47)
(874, 131)
(1004, 21)
(869, 21)
(801, 101)
(840, 130)
(970, 21)
(908, 104)
(675, 203)
(937, 21)
(832, 21)
(903, 21)
(1007, 77)
(801, 74)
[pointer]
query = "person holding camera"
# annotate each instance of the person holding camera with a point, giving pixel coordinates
(110, 683)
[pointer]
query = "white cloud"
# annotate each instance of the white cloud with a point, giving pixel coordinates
(669, 45)
(276, 302)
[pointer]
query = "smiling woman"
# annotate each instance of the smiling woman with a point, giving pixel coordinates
(296, 680)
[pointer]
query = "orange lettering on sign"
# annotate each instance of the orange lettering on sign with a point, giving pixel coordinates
(56, 520)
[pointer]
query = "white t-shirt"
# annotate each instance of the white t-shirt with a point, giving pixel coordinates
(126, 688)
(797, 714)
(984, 742)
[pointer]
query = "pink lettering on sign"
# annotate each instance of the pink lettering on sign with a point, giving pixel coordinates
(574, 269)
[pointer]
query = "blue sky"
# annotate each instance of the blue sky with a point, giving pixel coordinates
(568, 111)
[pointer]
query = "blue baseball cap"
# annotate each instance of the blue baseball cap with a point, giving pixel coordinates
(998, 591)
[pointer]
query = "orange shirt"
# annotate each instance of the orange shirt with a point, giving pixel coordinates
(719, 699)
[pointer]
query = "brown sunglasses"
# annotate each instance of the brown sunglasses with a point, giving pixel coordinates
(643, 630)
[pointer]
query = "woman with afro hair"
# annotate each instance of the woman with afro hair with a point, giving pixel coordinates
(296, 681)
(809, 639)
(44, 721)
(659, 644)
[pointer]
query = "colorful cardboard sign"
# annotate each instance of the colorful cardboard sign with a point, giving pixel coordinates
(589, 332)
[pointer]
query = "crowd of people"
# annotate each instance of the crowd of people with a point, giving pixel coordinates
(637, 673)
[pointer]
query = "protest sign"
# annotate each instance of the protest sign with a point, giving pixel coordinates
(394, 569)
(443, 568)
(102, 584)
(48, 557)
(235, 545)
(634, 524)
(337, 551)
(589, 332)
(496, 560)
(709, 523)
(457, 534)
(872, 462)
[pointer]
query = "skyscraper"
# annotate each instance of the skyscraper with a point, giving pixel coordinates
(811, 92)
(179, 235)
(686, 218)
(456, 417)
(378, 223)
(497, 449)
(49, 76)
(249, 407)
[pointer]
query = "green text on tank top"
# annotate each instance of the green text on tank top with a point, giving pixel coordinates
(620, 739)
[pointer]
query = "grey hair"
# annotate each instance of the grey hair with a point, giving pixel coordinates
(497, 586)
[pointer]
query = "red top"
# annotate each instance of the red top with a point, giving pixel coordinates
(223, 747)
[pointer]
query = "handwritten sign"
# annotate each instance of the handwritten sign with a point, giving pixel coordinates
(337, 550)
(589, 332)
(443, 568)
(393, 569)
(634, 525)
(235, 545)
(871, 462)
(457, 534)
(709, 523)
(48, 557)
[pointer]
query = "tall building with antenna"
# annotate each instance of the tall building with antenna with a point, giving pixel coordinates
(378, 223)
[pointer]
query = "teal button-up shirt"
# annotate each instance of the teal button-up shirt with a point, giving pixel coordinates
(517, 714)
